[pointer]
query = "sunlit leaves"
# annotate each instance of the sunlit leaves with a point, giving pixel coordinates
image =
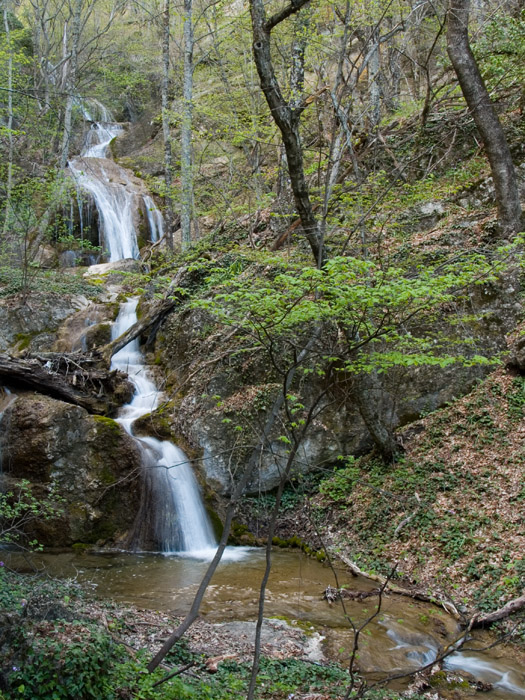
(387, 310)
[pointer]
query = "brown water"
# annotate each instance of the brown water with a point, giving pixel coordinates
(405, 635)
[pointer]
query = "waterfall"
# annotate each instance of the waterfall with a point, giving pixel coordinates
(6, 398)
(114, 202)
(172, 512)
(118, 196)
(155, 221)
(172, 517)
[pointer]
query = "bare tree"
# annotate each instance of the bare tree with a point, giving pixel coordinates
(286, 114)
(485, 117)
(165, 90)
(186, 126)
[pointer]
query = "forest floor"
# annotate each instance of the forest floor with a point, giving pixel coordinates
(450, 513)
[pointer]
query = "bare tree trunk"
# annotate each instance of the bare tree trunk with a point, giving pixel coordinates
(485, 117)
(286, 115)
(374, 68)
(168, 161)
(370, 399)
(71, 81)
(9, 185)
(186, 126)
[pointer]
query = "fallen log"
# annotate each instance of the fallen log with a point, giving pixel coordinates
(513, 606)
(139, 328)
(447, 605)
(98, 391)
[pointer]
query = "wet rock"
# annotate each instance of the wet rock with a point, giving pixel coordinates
(127, 265)
(86, 329)
(94, 463)
(32, 326)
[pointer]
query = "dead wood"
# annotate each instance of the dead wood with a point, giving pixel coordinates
(393, 588)
(513, 606)
(332, 594)
(64, 378)
(150, 323)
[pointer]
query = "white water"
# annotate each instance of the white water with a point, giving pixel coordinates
(116, 196)
(114, 202)
(499, 675)
(155, 221)
(422, 649)
(179, 521)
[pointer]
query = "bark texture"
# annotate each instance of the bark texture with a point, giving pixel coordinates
(485, 117)
(286, 115)
(94, 390)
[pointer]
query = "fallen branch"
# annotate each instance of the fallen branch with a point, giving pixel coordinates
(392, 588)
(173, 298)
(513, 606)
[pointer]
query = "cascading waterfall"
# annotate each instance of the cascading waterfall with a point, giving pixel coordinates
(116, 196)
(5, 399)
(155, 221)
(172, 517)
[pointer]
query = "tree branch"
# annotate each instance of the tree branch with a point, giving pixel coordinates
(279, 17)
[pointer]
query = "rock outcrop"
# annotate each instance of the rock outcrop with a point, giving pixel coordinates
(94, 463)
(218, 400)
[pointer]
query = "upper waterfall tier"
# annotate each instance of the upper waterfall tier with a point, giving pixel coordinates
(119, 198)
(98, 139)
(122, 200)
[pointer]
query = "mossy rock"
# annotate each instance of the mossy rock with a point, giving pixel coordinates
(156, 424)
(97, 336)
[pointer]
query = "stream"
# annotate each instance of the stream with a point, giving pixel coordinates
(405, 635)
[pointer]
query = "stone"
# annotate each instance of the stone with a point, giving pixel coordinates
(33, 325)
(127, 265)
(94, 462)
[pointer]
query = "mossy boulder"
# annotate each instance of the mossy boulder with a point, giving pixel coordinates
(94, 462)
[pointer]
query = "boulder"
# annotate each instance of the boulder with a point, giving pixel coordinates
(92, 460)
(33, 325)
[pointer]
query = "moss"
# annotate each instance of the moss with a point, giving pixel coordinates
(98, 335)
(216, 522)
(156, 423)
(23, 340)
(108, 424)
(106, 476)
(441, 680)
(303, 625)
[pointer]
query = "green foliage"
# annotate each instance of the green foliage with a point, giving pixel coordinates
(516, 399)
(500, 48)
(19, 508)
(14, 280)
(339, 486)
(80, 669)
(69, 242)
(374, 307)
(277, 679)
